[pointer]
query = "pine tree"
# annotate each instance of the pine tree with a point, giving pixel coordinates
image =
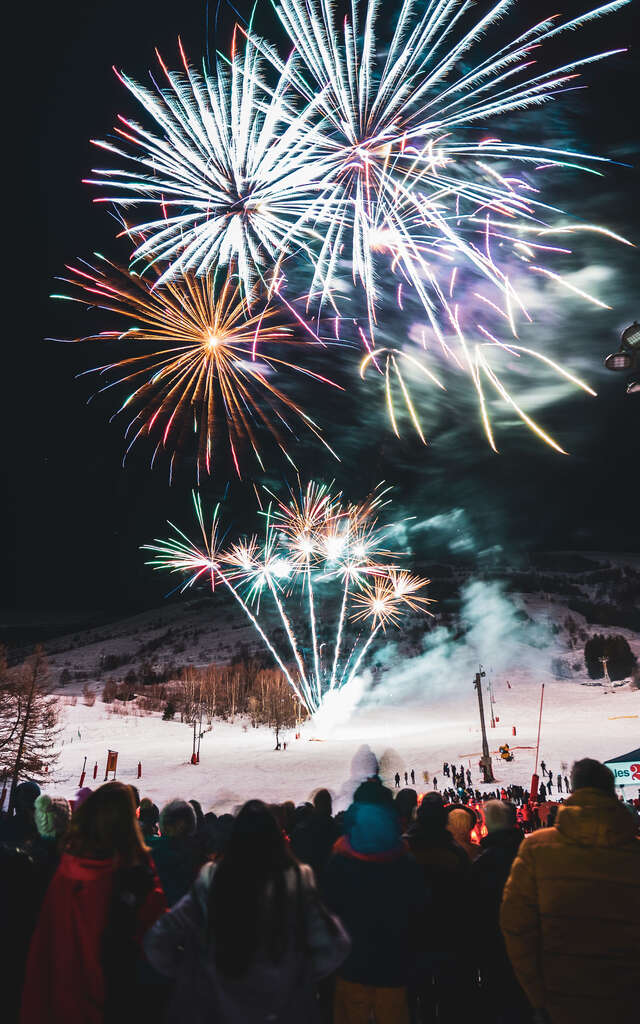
(27, 744)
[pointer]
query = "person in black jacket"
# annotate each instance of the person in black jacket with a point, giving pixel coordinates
(313, 838)
(442, 984)
(175, 851)
(376, 888)
(502, 999)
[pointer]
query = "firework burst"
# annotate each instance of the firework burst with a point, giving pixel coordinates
(209, 361)
(228, 168)
(413, 181)
(295, 578)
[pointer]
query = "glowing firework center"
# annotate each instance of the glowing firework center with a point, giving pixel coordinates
(313, 547)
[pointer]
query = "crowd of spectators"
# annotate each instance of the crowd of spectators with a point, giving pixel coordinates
(403, 909)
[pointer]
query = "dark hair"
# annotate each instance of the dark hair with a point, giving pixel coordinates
(248, 900)
(197, 808)
(405, 802)
(431, 814)
(593, 775)
(323, 803)
(105, 826)
(372, 791)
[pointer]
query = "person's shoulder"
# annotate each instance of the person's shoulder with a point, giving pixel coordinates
(541, 837)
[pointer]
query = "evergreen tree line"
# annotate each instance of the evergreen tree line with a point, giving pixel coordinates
(28, 721)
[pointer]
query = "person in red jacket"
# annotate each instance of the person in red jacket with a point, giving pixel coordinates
(105, 894)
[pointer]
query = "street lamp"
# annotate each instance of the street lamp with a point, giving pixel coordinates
(627, 357)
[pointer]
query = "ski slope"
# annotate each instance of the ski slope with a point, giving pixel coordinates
(238, 762)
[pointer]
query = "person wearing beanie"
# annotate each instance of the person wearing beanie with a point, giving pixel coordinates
(444, 985)
(20, 827)
(81, 796)
(570, 912)
(175, 851)
(376, 889)
(52, 816)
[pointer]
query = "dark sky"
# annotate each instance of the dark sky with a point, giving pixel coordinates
(75, 518)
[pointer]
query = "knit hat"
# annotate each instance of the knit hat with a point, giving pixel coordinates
(52, 816)
(26, 794)
(372, 828)
(81, 796)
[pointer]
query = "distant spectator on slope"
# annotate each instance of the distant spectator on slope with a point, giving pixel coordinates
(377, 890)
(248, 941)
(502, 999)
(174, 851)
(105, 894)
(571, 909)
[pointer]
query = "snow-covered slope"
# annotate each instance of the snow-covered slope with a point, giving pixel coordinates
(414, 706)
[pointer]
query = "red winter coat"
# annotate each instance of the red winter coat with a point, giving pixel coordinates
(65, 975)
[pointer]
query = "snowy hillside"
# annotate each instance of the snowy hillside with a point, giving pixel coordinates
(414, 705)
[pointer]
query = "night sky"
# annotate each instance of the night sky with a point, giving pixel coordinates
(76, 519)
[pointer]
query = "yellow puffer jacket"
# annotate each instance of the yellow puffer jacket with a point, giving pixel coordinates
(571, 913)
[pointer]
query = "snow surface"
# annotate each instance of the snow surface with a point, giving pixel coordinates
(418, 709)
(238, 762)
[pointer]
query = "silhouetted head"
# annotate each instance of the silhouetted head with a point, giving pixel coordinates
(25, 796)
(405, 802)
(499, 815)
(431, 814)
(178, 819)
(590, 774)
(373, 792)
(197, 808)
(323, 803)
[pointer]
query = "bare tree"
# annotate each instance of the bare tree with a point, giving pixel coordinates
(28, 732)
(274, 703)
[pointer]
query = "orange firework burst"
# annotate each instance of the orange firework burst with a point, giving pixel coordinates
(209, 365)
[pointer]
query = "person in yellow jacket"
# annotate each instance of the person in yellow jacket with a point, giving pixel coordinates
(570, 912)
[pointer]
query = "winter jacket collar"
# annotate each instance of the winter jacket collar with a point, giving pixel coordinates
(344, 847)
(507, 839)
(592, 818)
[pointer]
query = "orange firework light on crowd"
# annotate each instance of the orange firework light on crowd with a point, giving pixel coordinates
(209, 364)
(311, 540)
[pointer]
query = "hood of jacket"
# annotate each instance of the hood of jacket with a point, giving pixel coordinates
(81, 869)
(592, 818)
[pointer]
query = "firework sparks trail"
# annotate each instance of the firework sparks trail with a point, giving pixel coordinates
(300, 548)
(407, 179)
(348, 150)
(208, 360)
(184, 557)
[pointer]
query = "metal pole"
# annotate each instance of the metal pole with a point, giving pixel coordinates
(486, 756)
(535, 770)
